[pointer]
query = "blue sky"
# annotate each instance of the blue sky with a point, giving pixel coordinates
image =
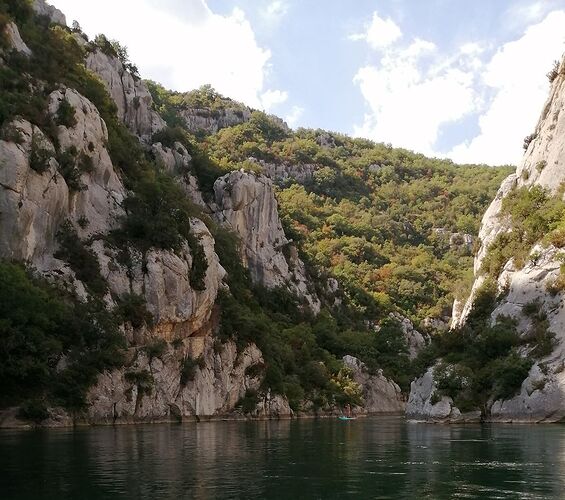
(448, 78)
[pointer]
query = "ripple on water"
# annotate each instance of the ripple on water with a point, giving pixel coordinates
(372, 458)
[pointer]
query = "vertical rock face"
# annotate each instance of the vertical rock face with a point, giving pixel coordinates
(210, 121)
(542, 395)
(246, 203)
(380, 394)
(35, 197)
(32, 204)
(415, 341)
(42, 8)
(285, 172)
(177, 161)
(15, 40)
(99, 203)
(424, 406)
(214, 387)
(131, 96)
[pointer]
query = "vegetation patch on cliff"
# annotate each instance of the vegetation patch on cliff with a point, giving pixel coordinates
(482, 362)
(52, 345)
(533, 215)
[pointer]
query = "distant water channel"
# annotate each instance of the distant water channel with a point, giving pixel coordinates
(328, 458)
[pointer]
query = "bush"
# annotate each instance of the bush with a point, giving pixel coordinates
(66, 114)
(82, 260)
(132, 308)
(143, 380)
(40, 326)
(509, 373)
(527, 140)
(249, 402)
(19, 10)
(158, 214)
(155, 349)
(39, 157)
(33, 410)
(11, 133)
(199, 265)
(554, 73)
(68, 169)
(188, 369)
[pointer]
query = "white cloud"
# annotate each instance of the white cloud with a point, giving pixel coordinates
(272, 98)
(274, 11)
(523, 13)
(413, 92)
(380, 33)
(183, 44)
(294, 116)
(516, 74)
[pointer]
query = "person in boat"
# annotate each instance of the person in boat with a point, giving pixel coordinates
(347, 411)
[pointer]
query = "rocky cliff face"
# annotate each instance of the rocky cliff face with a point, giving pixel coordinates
(216, 385)
(542, 395)
(15, 41)
(36, 199)
(423, 405)
(130, 94)
(61, 177)
(210, 121)
(282, 173)
(246, 203)
(42, 8)
(380, 394)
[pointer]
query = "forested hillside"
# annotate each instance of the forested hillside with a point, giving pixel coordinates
(147, 266)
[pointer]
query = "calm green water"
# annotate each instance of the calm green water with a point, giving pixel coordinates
(365, 458)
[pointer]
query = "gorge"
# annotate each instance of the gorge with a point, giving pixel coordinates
(176, 256)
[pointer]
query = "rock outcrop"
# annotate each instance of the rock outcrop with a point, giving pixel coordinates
(32, 204)
(380, 395)
(99, 204)
(42, 8)
(177, 161)
(246, 203)
(542, 394)
(424, 405)
(457, 240)
(210, 121)
(283, 173)
(36, 198)
(15, 40)
(415, 341)
(215, 385)
(134, 102)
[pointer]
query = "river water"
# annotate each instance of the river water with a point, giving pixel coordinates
(384, 457)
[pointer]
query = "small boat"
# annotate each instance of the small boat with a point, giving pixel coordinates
(343, 417)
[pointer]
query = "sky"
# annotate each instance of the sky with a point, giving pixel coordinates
(448, 78)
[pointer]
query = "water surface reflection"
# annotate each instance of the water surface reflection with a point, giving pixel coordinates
(366, 458)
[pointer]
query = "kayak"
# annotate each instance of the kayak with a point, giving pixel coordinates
(342, 417)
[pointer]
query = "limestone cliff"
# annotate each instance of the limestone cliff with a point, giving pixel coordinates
(542, 395)
(35, 202)
(380, 394)
(42, 8)
(130, 94)
(60, 174)
(210, 121)
(246, 203)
